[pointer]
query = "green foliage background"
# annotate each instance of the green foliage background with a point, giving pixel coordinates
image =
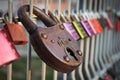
(19, 70)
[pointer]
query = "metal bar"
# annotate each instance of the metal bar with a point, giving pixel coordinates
(95, 8)
(73, 75)
(91, 51)
(84, 5)
(55, 75)
(43, 71)
(90, 5)
(81, 66)
(69, 7)
(59, 12)
(28, 77)
(105, 47)
(101, 50)
(97, 48)
(59, 8)
(77, 7)
(96, 52)
(10, 8)
(105, 43)
(109, 50)
(87, 57)
(87, 45)
(46, 6)
(92, 55)
(43, 64)
(100, 5)
(87, 53)
(64, 76)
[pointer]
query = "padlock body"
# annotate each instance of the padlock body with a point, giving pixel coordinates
(58, 48)
(110, 24)
(98, 27)
(87, 27)
(80, 29)
(92, 25)
(16, 33)
(69, 27)
(118, 26)
(102, 22)
(8, 52)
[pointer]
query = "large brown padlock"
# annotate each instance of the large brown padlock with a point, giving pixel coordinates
(53, 44)
(8, 52)
(15, 31)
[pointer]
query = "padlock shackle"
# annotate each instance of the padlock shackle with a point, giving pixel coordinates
(52, 16)
(13, 18)
(28, 23)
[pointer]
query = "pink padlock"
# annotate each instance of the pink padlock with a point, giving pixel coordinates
(8, 52)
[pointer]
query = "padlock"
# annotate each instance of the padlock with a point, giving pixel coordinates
(15, 31)
(118, 25)
(97, 25)
(92, 24)
(102, 22)
(54, 45)
(79, 28)
(87, 26)
(8, 52)
(97, 21)
(110, 24)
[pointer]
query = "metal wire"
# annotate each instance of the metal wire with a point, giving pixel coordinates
(29, 50)
(77, 7)
(69, 7)
(55, 75)
(81, 66)
(43, 64)
(10, 8)
(59, 8)
(64, 76)
(84, 5)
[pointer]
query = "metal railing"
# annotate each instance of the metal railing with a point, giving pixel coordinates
(98, 50)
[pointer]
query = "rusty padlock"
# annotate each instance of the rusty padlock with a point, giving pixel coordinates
(8, 53)
(54, 45)
(15, 31)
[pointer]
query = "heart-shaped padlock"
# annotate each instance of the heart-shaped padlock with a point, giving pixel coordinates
(54, 45)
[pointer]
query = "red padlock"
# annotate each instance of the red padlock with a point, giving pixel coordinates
(8, 52)
(15, 31)
(118, 25)
(97, 25)
(109, 22)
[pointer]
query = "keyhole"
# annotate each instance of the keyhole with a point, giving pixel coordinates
(69, 51)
